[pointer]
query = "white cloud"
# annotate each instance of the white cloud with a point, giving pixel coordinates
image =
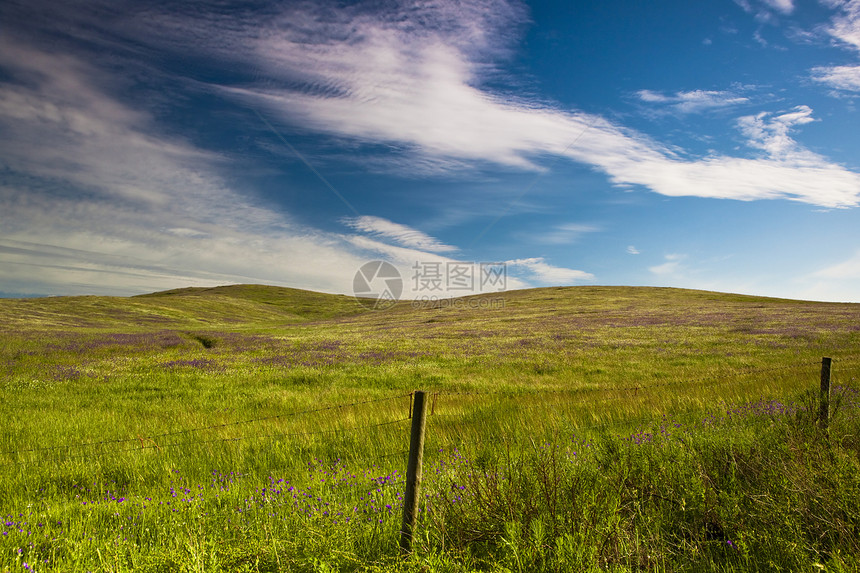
(414, 265)
(419, 91)
(401, 257)
(848, 269)
(653, 97)
(783, 6)
(845, 29)
(151, 211)
(401, 234)
(696, 101)
(95, 199)
(538, 269)
(846, 25)
(764, 9)
(671, 266)
(771, 133)
(845, 78)
(565, 233)
(631, 250)
(410, 77)
(838, 282)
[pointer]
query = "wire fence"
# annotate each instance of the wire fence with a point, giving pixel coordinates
(449, 418)
(153, 437)
(463, 427)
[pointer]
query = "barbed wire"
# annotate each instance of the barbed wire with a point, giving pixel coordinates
(586, 389)
(156, 446)
(203, 428)
(622, 390)
(571, 429)
(574, 430)
(732, 375)
(634, 422)
(392, 455)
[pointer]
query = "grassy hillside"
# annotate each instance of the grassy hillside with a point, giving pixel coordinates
(585, 428)
(233, 306)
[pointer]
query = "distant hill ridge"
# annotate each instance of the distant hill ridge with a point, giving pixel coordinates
(248, 305)
(230, 305)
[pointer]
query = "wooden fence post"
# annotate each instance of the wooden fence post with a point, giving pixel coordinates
(824, 412)
(413, 471)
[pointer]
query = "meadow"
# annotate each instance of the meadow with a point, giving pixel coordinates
(254, 428)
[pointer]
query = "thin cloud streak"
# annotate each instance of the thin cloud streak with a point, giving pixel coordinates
(771, 133)
(671, 266)
(538, 269)
(565, 234)
(849, 269)
(401, 234)
(411, 262)
(839, 282)
(696, 101)
(846, 26)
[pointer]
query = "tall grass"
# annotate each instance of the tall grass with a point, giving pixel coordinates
(611, 429)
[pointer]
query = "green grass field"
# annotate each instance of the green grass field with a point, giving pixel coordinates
(254, 428)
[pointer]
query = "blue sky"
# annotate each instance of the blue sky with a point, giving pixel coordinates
(155, 145)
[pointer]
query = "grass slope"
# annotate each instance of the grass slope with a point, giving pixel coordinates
(253, 428)
(234, 305)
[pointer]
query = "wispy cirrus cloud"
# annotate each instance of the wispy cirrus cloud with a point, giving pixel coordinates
(564, 234)
(94, 186)
(96, 197)
(539, 270)
(838, 281)
(427, 274)
(848, 269)
(411, 78)
(696, 101)
(420, 91)
(846, 25)
(149, 210)
(520, 273)
(401, 234)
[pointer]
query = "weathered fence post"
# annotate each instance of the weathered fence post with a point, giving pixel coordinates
(824, 412)
(413, 471)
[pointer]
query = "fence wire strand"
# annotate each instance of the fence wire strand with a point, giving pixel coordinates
(735, 373)
(732, 375)
(156, 446)
(153, 437)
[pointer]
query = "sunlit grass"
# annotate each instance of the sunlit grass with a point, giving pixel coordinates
(215, 395)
